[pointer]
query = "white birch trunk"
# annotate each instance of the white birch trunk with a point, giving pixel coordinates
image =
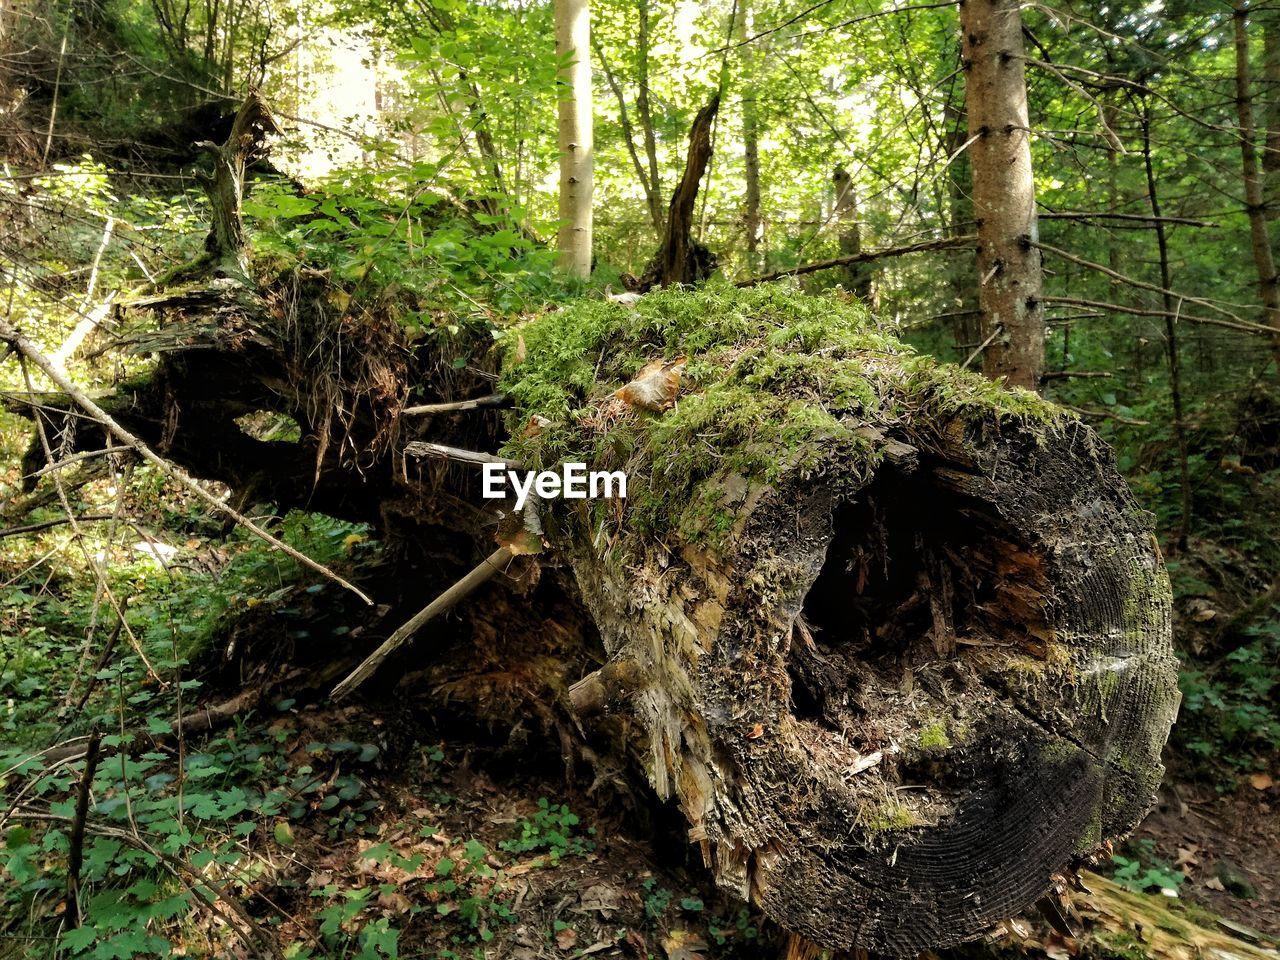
(573, 39)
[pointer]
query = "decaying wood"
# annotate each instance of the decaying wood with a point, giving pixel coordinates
(681, 258)
(226, 243)
(892, 708)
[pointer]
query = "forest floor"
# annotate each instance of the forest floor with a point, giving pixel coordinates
(1228, 846)
(547, 867)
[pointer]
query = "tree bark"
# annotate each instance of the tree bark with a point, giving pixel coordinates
(577, 158)
(1254, 195)
(681, 258)
(856, 277)
(1003, 191)
(751, 219)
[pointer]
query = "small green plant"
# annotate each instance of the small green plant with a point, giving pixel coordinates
(554, 828)
(738, 927)
(1144, 870)
(1231, 716)
(657, 899)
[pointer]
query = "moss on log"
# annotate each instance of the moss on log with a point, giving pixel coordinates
(898, 641)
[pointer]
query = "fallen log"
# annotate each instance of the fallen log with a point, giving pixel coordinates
(895, 639)
(893, 694)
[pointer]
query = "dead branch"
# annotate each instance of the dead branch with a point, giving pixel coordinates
(440, 451)
(945, 243)
(75, 853)
(46, 524)
(1140, 284)
(1244, 325)
(486, 570)
(28, 349)
(491, 400)
(1135, 217)
(1108, 415)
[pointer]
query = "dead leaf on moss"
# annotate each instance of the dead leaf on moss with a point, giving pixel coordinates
(567, 938)
(1261, 781)
(655, 386)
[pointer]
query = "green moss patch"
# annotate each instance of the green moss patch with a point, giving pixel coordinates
(778, 383)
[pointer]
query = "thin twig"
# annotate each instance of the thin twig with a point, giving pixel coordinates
(977, 352)
(1244, 325)
(1138, 217)
(1140, 284)
(1075, 375)
(944, 243)
(46, 524)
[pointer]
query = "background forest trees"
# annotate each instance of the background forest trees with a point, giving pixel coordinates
(418, 167)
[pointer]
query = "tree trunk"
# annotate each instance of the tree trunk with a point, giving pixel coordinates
(1271, 83)
(751, 220)
(1254, 196)
(226, 242)
(1171, 335)
(856, 277)
(577, 160)
(681, 258)
(629, 137)
(646, 113)
(1003, 192)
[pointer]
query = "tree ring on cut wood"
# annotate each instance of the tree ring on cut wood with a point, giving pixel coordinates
(893, 708)
(998, 631)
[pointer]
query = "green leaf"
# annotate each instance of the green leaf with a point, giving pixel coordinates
(79, 939)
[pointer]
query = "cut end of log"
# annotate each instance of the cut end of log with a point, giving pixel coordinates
(977, 686)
